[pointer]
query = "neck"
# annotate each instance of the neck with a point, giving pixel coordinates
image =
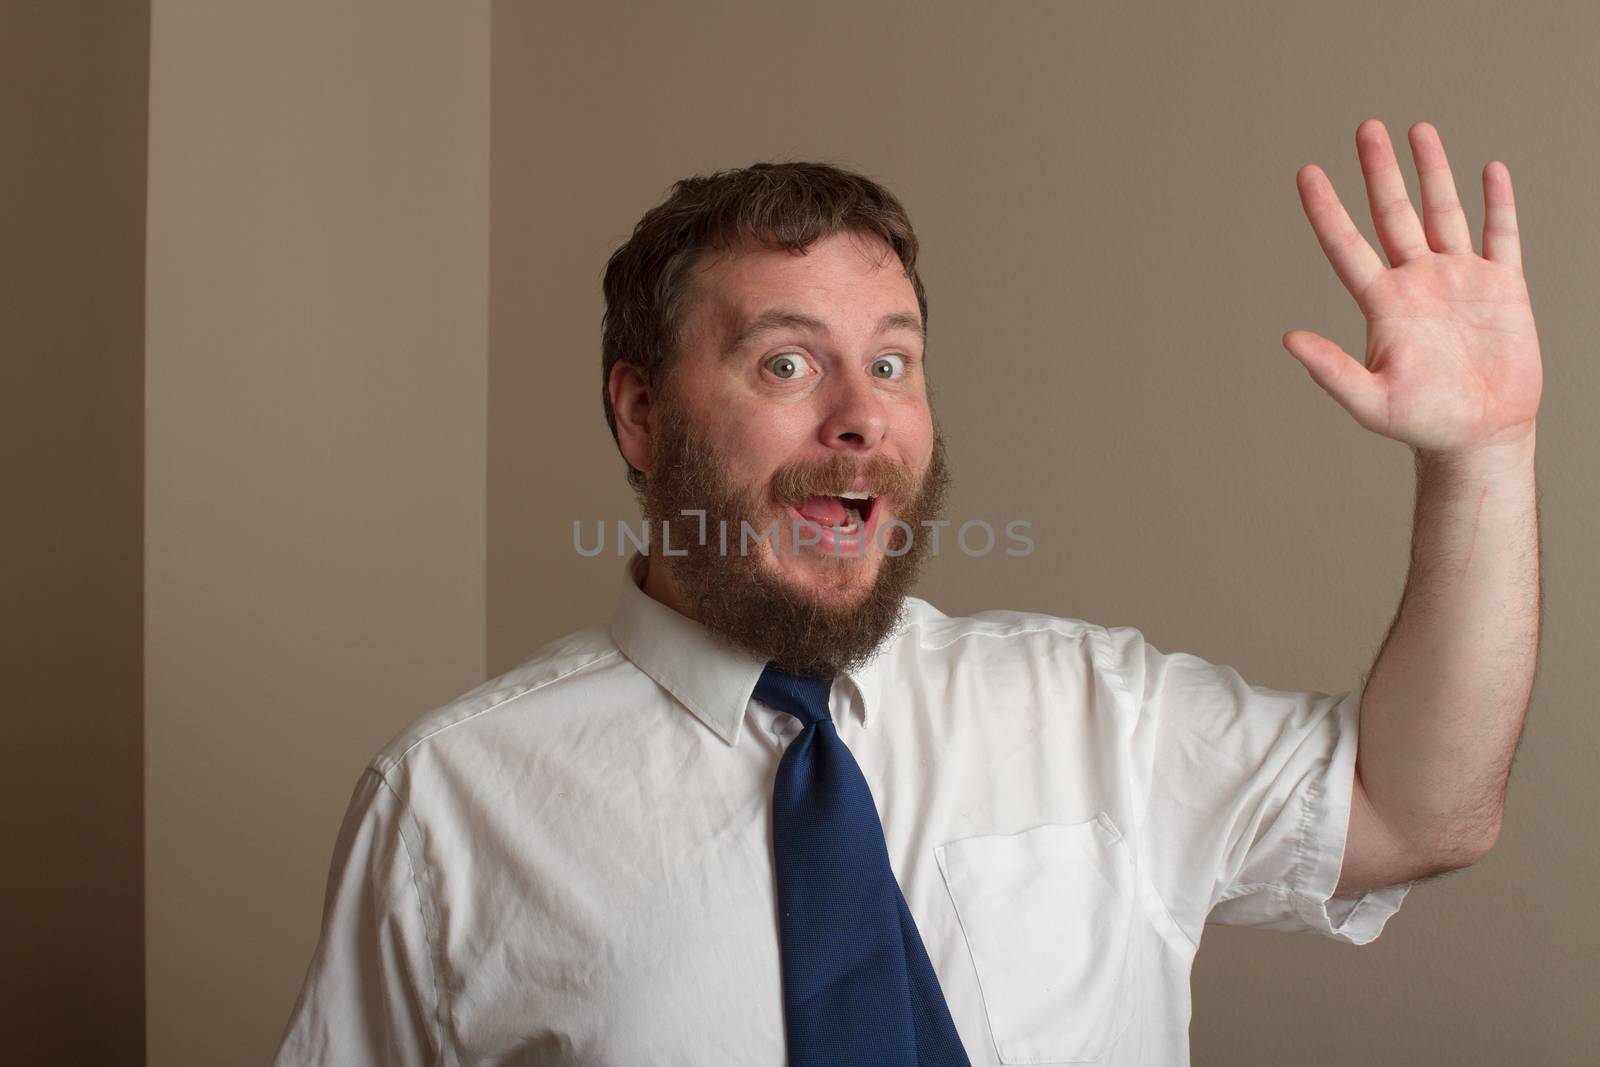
(658, 586)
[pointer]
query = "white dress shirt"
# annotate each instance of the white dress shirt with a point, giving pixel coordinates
(572, 863)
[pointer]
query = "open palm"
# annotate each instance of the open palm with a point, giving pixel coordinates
(1452, 361)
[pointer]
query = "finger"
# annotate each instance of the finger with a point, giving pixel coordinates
(1341, 376)
(1502, 241)
(1442, 217)
(1353, 259)
(1399, 230)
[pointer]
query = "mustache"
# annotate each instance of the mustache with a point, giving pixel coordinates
(885, 478)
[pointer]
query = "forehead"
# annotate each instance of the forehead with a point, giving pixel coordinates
(844, 276)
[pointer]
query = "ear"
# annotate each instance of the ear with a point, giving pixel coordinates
(630, 406)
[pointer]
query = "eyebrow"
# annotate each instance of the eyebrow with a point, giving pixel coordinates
(783, 318)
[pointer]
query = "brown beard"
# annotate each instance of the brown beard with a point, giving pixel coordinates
(731, 592)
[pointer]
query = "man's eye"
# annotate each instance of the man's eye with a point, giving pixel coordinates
(786, 366)
(888, 367)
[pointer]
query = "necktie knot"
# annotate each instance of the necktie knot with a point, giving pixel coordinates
(803, 696)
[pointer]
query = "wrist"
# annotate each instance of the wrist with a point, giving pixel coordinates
(1492, 458)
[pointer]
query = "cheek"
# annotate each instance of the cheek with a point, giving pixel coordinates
(916, 431)
(758, 446)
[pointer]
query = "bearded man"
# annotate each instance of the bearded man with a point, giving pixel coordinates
(778, 810)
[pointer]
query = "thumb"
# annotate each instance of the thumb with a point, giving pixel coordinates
(1341, 376)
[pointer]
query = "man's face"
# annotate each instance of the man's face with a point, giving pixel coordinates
(765, 419)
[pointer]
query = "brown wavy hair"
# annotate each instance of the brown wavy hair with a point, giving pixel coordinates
(784, 206)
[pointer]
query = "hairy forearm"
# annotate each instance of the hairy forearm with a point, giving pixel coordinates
(1442, 711)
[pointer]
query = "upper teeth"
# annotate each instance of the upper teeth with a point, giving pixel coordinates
(856, 496)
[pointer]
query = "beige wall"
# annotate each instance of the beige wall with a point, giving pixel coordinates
(318, 279)
(72, 186)
(1113, 248)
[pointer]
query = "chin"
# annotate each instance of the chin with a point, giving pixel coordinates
(833, 577)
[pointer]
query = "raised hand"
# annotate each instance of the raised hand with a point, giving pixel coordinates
(1452, 363)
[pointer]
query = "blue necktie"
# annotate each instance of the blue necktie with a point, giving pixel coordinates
(858, 989)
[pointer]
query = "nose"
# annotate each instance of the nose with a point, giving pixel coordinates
(856, 419)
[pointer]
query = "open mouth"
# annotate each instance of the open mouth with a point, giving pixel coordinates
(849, 512)
(858, 508)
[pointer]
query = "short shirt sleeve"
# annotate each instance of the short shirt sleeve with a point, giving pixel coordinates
(369, 995)
(1248, 792)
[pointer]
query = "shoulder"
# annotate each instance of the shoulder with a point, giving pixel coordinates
(931, 628)
(555, 670)
(1033, 663)
(1005, 638)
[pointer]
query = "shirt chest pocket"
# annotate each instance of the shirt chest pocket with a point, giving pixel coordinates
(1048, 915)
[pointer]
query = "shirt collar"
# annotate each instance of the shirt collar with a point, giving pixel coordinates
(704, 671)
